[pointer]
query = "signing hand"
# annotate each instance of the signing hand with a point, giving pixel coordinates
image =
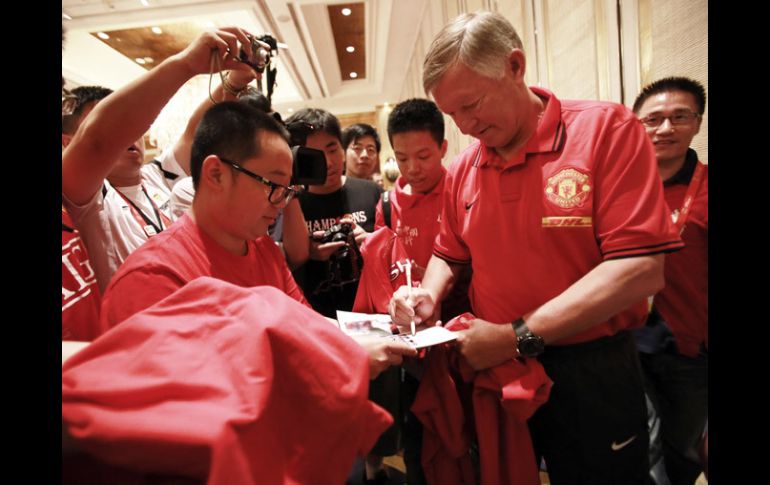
(417, 304)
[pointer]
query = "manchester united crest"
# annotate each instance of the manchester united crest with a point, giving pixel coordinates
(568, 188)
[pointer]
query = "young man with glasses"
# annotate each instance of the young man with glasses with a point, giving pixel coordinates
(241, 166)
(362, 151)
(673, 344)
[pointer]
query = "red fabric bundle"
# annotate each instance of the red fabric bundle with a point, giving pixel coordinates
(225, 383)
(456, 404)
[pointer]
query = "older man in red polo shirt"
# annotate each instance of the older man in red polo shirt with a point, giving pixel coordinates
(559, 210)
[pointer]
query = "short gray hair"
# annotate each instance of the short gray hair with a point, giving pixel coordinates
(481, 41)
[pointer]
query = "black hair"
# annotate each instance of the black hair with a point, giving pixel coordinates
(229, 130)
(86, 95)
(684, 84)
(416, 114)
(255, 99)
(354, 132)
(300, 123)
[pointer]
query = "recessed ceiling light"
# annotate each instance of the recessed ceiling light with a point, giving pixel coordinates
(102, 35)
(290, 110)
(139, 60)
(156, 30)
(350, 48)
(346, 11)
(354, 75)
(149, 59)
(145, 3)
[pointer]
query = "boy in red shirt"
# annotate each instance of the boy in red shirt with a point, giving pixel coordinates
(413, 210)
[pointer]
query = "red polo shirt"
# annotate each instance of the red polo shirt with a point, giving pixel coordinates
(415, 218)
(683, 303)
(584, 189)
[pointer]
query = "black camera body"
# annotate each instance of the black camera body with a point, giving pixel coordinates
(338, 232)
(346, 263)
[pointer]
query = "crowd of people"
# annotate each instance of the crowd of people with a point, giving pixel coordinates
(567, 246)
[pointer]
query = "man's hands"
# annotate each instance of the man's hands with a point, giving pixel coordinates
(486, 344)
(383, 352)
(197, 55)
(483, 344)
(420, 306)
(323, 251)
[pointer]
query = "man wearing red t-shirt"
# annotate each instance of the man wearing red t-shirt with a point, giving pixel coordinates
(413, 210)
(559, 211)
(673, 344)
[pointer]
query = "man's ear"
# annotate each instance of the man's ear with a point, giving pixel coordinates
(65, 139)
(517, 63)
(444, 146)
(214, 174)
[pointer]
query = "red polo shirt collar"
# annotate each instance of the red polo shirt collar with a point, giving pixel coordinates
(408, 201)
(548, 137)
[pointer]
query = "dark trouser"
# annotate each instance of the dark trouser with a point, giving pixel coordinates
(385, 391)
(411, 432)
(593, 429)
(677, 387)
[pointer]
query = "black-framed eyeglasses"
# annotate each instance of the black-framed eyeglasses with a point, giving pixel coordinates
(279, 195)
(678, 118)
(68, 102)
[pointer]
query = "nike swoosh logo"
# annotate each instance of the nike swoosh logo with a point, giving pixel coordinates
(619, 446)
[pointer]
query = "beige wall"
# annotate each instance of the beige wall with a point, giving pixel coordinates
(575, 47)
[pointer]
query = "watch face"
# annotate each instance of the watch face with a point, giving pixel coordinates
(531, 346)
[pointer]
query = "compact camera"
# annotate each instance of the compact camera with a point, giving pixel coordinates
(255, 55)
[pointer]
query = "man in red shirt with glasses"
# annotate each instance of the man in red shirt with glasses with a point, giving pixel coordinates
(673, 344)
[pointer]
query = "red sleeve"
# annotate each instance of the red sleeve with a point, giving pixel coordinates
(631, 214)
(448, 245)
(135, 291)
(379, 217)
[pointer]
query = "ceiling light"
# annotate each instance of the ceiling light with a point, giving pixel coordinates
(346, 11)
(290, 110)
(102, 35)
(350, 48)
(139, 60)
(65, 16)
(145, 3)
(354, 75)
(156, 30)
(149, 60)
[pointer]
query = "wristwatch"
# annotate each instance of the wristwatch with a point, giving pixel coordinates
(528, 344)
